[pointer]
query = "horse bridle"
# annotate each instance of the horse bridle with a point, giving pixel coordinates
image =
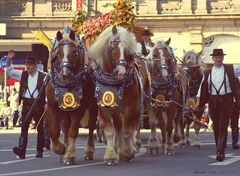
(122, 62)
(58, 66)
(110, 79)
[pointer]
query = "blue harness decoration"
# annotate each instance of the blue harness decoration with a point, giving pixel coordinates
(109, 90)
(68, 95)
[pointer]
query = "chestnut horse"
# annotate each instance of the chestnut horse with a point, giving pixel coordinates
(167, 96)
(70, 93)
(120, 81)
(192, 69)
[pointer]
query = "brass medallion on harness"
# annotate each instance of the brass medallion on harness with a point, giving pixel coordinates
(160, 101)
(107, 96)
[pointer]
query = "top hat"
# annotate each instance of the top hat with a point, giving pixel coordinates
(217, 52)
(147, 32)
(31, 60)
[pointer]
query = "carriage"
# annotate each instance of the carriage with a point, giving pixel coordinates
(111, 77)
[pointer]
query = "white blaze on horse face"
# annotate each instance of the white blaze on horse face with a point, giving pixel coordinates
(163, 62)
(121, 70)
(65, 59)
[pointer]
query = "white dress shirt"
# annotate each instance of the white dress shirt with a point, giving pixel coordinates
(217, 74)
(217, 78)
(32, 81)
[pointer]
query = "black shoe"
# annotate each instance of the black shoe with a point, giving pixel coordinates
(19, 152)
(220, 156)
(39, 155)
(235, 146)
(47, 146)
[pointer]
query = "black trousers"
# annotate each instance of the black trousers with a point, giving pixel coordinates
(220, 109)
(36, 115)
(15, 117)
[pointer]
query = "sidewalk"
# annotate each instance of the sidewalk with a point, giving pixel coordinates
(17, 130)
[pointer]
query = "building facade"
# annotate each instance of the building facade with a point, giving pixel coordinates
(192, 24)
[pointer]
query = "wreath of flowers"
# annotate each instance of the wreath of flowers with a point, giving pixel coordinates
(91, 27)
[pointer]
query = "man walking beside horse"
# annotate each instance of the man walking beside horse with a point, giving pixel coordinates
(31, 81)
(219, 88)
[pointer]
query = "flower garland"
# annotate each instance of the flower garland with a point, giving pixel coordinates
(91, 27)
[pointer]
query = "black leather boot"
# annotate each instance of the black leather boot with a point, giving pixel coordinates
(235, 132)
(20, 151)
(220, 149)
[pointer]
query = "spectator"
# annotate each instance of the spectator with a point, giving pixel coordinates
(14, 105)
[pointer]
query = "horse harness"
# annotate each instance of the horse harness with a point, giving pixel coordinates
(68, 95)
(168, 86)
(109, 90)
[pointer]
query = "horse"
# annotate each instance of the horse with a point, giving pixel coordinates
(167, 97)
(70, 92)
(120, 78)
(192, 69)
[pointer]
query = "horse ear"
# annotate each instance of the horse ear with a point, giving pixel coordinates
(168, 41)
(184, 51)
(59, 36)
(114, 30)
(72, 35)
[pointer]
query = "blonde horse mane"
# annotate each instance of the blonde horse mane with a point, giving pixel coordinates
(128, 39)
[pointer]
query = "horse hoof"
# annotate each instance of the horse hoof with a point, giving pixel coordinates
(153, 151)
(169, 153)
(68, 161)
(89, 156)
(60, 150)
(127, 158)
(197, 147)
(176, 139)
(61, 159)
(111, 162)
(183, 146)
(188, 142)
(137, 150)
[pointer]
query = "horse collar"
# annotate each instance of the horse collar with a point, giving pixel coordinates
(68, 96)
(109, 91)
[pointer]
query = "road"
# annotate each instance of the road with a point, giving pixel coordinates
(185, 162)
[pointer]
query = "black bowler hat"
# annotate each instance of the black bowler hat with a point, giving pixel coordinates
(31, 60)
(217, 52)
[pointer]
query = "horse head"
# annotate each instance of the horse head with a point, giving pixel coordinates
(114, 50)
(67, 55)
(162, 60)
(192, 63)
